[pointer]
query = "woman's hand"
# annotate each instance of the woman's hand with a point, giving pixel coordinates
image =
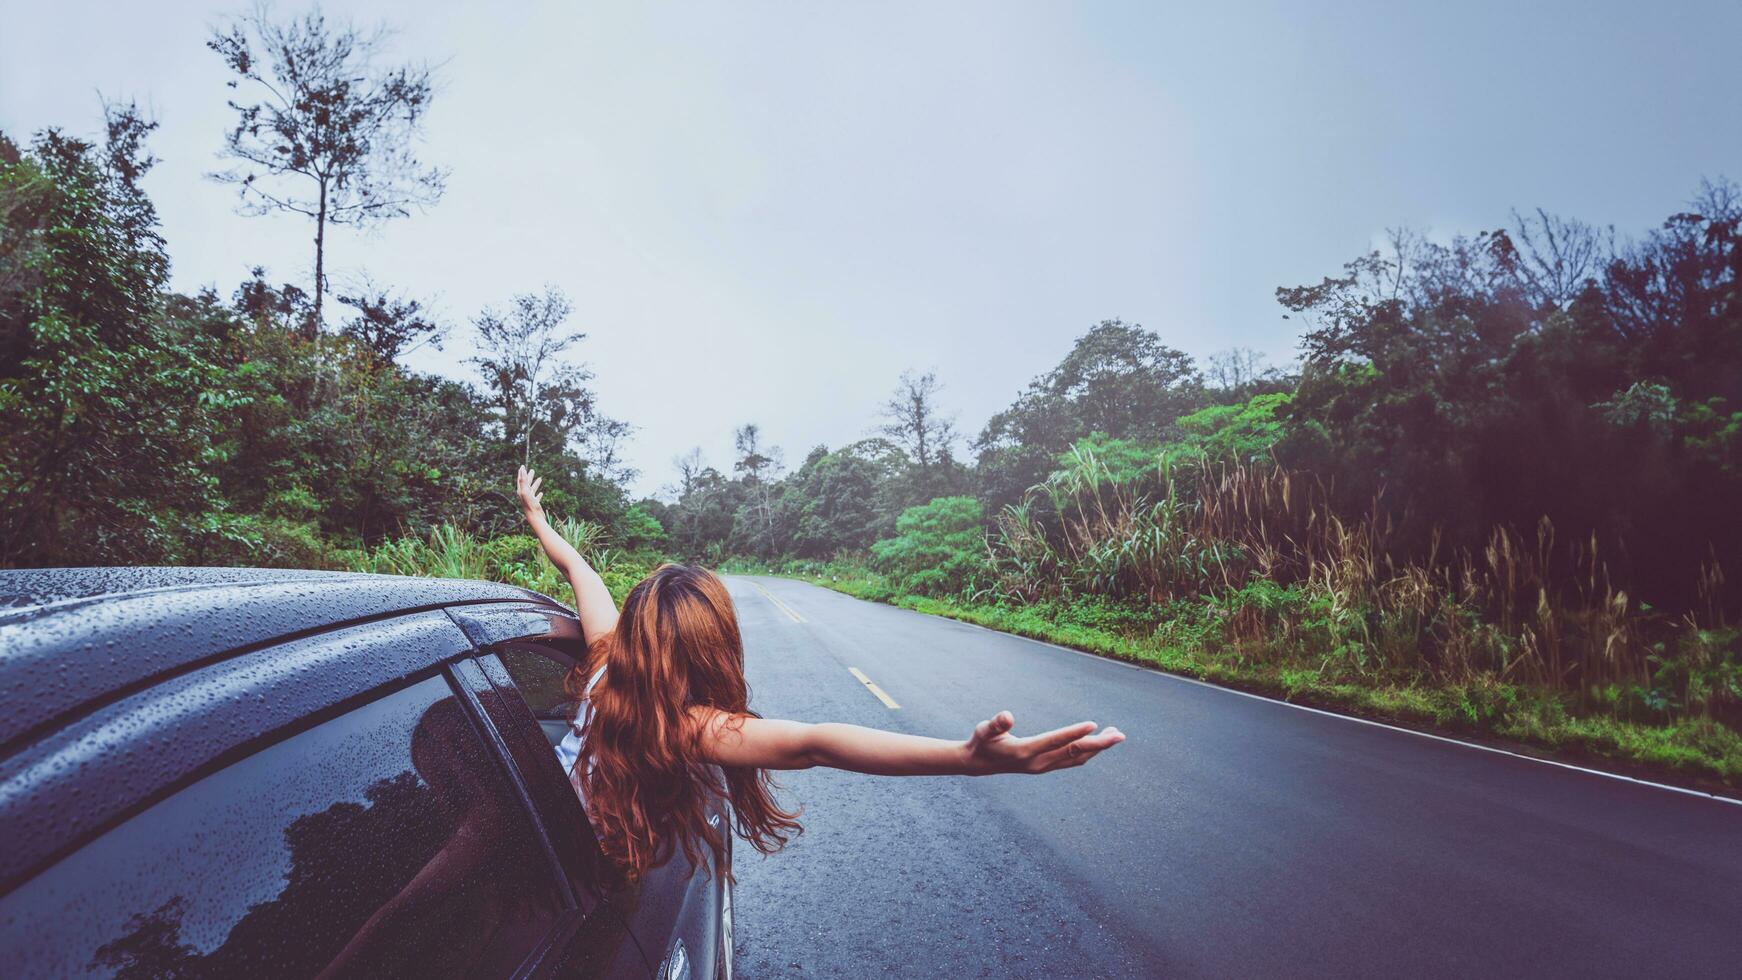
(992, 749)
(529, 487)
(592, 599)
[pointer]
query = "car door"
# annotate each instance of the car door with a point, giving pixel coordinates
(334, 805)
(528, 650)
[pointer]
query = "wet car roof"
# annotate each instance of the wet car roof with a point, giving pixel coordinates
(74, 638)
(30, 587)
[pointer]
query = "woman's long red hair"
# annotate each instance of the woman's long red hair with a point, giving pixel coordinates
(646, 783)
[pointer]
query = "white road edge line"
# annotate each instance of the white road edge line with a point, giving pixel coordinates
(1332, 714)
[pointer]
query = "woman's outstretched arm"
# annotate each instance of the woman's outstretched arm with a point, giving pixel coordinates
(592, 600)
(766, 743)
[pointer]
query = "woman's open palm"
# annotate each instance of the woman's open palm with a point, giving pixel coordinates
(529, 487)
(992, 749)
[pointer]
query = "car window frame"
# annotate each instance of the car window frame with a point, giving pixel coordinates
(493, 630)
(548, 626)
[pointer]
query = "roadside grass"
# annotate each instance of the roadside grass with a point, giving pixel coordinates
(516, 559)
(1697, 752)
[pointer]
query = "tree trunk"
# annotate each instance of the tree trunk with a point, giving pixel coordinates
(314, 326)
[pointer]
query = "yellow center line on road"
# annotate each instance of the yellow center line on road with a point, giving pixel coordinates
(888, 702)
(791, 613)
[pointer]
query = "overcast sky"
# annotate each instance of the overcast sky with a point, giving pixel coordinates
(765, 212)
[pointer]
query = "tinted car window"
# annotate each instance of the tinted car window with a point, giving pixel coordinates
(385, 841)
(538, 672)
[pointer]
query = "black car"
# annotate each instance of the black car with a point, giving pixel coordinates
(254, 773)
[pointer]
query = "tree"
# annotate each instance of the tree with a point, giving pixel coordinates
(1118, 379)
(145, 426)
(1122, 380)
(753, 527)
(107, 411)
(838, 501)
(389, 325)
(520, 368)
(602, 440)
(641, 527)
(915, 423)
(26, 197)
(1485, 383)
(1240, 371)
(1244, 431)
(1559, 257)
(258, 301)
(689, 468)
(330, 137)
(699, 524)
(747, 439)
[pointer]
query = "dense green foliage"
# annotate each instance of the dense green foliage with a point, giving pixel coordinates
(1475, 392)
(147, 426)
(1118, 379)
(938, 548)
(101, 400)
(1243, 432)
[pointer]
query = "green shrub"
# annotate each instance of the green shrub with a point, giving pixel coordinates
(256, 541)
(1098, 459)
(1188, 624)
(640, 529)
(1093, 612)
(939, 549)
(509, 549)
(1243, 433)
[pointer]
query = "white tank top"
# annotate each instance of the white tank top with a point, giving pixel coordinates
(569, 750)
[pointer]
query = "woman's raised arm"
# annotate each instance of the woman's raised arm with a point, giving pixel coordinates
(592, 600)
(766, 743)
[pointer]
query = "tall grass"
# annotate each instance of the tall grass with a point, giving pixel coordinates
(1251, 557)
(453, 552)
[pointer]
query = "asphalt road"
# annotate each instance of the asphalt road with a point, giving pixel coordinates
(1228, 836)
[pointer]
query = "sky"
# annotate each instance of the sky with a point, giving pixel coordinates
(765, 212)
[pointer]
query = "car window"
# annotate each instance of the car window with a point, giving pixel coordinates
(539, 671)
(533, 745)
(383, 842)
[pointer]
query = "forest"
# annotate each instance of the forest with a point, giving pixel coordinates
(1498, 492)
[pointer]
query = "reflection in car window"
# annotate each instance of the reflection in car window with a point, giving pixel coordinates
(383, 842)
(538, 673)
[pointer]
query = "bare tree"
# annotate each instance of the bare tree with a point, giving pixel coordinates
(1718, 200)
(1236, 369)
(330, 135)
(752, 461)
(1557, 255)
(915, 422)
(602, 440)
(520, 367)
(689, 469)
(758, 467)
